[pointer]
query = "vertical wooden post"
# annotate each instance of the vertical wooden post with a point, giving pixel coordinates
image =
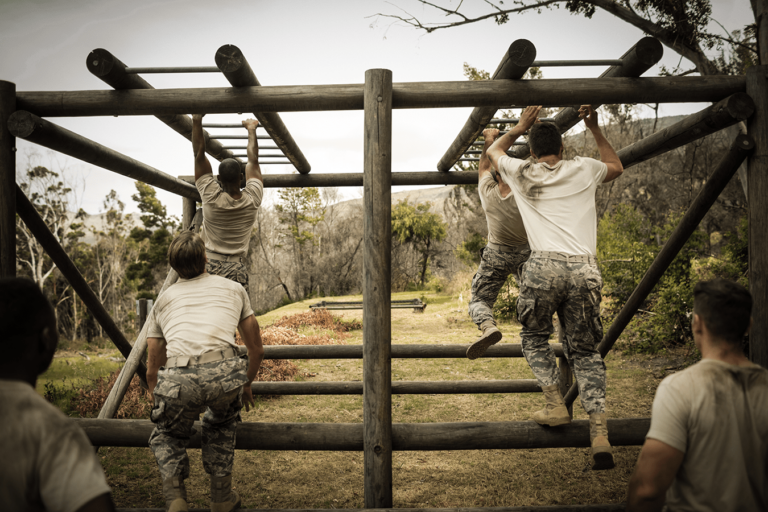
(188, 212)
(7, 182)
(757, 170)
(142, 313)
(377, 321)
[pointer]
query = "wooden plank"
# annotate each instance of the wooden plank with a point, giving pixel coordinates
(28, 126)
(431, 351)
(757, 172)
(236, 69)
(636, 61)
(399, 387)
(38, 228)
(188, 209)
(741, 147)
(377, 272)
(7, 182)
(508, 435)
(314, 98)
(513, 66)
(112, 71)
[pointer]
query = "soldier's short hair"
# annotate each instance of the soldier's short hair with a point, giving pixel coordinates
(545, 139)
(186, 254)
(725, 308)
(229, 171)
(24, 311)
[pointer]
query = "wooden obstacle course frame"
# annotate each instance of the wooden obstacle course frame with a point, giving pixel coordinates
(377, 437)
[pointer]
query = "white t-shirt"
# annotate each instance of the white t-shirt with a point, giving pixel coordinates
(717, 414)
(199, 315)
(557, 203)
(227, 222)
(48, 462)
(505, 225)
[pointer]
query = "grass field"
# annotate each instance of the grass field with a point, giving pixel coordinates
(456, 478)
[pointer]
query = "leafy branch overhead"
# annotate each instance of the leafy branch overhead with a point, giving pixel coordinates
(682, 25)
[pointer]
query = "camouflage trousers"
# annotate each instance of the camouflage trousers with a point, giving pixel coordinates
(232, 270)
(181, 395)
(573, 291)
(495, 267)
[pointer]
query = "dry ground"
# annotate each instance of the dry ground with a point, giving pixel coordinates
(457, 478)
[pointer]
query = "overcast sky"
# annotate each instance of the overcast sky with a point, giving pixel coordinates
(44, 44)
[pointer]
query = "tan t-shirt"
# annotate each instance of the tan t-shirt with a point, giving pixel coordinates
(717, 414)
(199, 315)
(557, 203)
(48, 461)
(505, 225)
(227, 222)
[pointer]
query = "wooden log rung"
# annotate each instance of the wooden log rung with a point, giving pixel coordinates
(399, 387)
(397, 351)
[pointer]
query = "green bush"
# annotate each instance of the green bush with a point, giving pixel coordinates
(506, 302)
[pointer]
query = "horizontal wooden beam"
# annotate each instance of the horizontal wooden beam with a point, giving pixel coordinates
(399, 387)
(315, 98)
(316, 179)
(508, 435)
(722, 114)
(618, 507)
(398, 351)
(28, 126)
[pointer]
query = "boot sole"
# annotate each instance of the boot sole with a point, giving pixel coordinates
(555, 423)
(603, 460)
(479, 347)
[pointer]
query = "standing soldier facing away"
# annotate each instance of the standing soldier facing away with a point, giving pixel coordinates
(556, 198)
(228, 212)
(504, 254)
(194, 366)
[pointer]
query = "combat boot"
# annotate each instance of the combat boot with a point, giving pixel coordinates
(602, 453)
(175, 494)
(223, 498)
(554, 413)
(491, 335)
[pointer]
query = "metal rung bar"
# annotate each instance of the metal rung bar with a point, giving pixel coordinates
(183, 69)
(262, 147)
(563, 63)
(287, 162)
(516, 143)
(239, 137)
(225, 125)
(515, 120)
(469, 159)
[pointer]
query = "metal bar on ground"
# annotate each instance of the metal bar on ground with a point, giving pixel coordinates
(722, 114)
(7, 182)
(177, 69)
(59, 256)
(506, 435)
(112, 71)
(757, 175)
(314, 98)
(636, 61)
(235, 67)
(565, 63)
(397, 351)
(399, 387)
(741, 147)
(377, 322)
(356, 179)
(28, 126)
(514, 65)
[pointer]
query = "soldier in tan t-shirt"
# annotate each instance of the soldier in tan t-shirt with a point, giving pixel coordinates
(504, 254)
(228, 212)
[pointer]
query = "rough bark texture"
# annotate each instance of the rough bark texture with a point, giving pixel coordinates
(7, 182)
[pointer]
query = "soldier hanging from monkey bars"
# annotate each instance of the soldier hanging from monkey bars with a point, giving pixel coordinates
(228, 212)
(556, 199)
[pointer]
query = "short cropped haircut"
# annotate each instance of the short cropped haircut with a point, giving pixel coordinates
(725, 307)
(24, 311)
(229, 171)
(186, 254)
(545, 139)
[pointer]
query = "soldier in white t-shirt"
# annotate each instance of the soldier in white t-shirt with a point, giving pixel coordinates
(556, 199)
(707, 448)
(504, 254)
(195, 366)
(48, 462)
(228, 212)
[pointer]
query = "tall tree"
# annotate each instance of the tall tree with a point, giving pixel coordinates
(420, 228)
(682, 25)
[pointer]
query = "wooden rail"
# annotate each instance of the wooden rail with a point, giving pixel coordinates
(397, 351)
(400, 387)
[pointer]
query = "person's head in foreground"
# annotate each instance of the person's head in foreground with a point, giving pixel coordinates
(545, 140)
(186, 254)
(28, 335)
(230, 174)
(722, 314)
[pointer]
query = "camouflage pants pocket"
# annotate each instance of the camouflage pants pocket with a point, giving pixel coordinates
(525, 313)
